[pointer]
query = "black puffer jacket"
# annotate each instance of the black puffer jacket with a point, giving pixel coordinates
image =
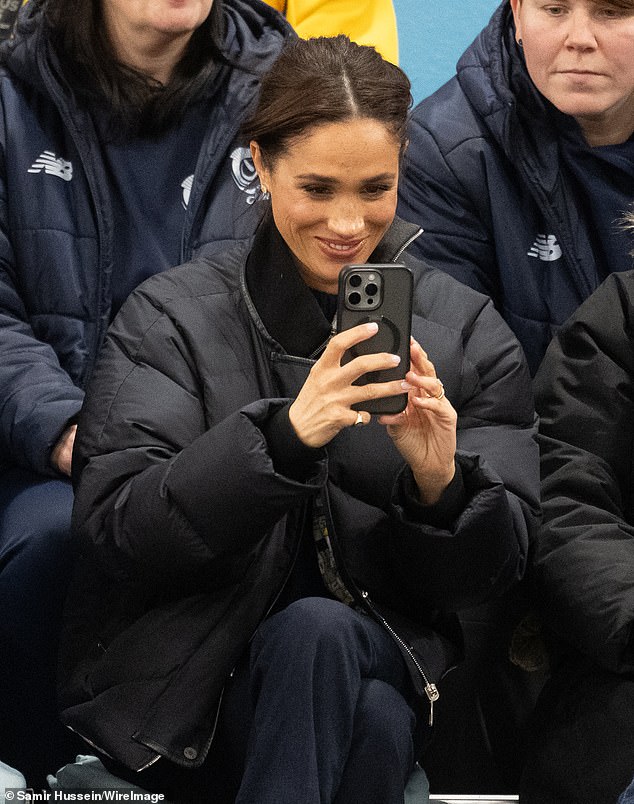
(188, 531)
(583, 560)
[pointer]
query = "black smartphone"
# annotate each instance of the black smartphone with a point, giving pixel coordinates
(380, 293)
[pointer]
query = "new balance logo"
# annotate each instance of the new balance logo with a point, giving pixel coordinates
(186, 186)
(53, 166)
(545, 248)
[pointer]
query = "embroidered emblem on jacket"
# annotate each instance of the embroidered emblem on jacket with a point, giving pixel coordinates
(187, 185)
(53, 166)
(245, 175)
(546, 248)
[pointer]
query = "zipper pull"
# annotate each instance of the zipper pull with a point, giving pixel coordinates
(431, 690)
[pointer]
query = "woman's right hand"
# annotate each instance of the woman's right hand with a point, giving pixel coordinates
(324, 404)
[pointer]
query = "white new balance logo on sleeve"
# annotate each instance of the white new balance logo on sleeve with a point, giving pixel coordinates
(53, 166)
(546, 248)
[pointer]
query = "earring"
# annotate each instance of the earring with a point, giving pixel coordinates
(520, 43)
(264, 190)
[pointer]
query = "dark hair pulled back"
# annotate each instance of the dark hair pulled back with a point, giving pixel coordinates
(326, 80)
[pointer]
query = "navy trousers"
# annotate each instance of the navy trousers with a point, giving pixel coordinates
(318, 712)
(35, 569)
(330, 722)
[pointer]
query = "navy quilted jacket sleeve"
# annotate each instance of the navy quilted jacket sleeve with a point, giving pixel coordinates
(38, 396)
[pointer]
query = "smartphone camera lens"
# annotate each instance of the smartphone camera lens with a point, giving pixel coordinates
(354, 299)
(355, 281)
(371, 289)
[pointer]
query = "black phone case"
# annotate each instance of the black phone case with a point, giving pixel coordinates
(393, 314)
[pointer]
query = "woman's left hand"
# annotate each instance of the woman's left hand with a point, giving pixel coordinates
(425, 432)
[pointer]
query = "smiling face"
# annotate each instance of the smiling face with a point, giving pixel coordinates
(333, 195)
(580, 55)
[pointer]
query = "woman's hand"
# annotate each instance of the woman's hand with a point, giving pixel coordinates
(425, 432)
(323, 405)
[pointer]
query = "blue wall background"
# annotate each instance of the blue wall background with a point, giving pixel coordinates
(432, 36)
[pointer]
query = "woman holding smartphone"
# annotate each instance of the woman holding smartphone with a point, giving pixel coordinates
(269, 574)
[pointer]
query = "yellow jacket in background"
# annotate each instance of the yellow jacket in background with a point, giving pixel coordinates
(368, 22)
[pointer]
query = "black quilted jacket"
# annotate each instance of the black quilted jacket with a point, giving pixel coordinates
(188, 532)
(583, 559)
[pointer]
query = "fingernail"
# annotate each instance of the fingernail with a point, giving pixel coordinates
(372, 326)
(406, 386)
(395, 359)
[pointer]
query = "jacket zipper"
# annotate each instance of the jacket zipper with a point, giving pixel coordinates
(431, 690)
(408, 243)
(333, 331)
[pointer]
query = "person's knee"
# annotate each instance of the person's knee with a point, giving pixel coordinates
(35, 521)
(36, 559)
(386, 719)
(314, 619)
(382, 749)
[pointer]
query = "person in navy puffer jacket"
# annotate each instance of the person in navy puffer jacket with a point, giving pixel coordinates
(118, 160)
(519, 167)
